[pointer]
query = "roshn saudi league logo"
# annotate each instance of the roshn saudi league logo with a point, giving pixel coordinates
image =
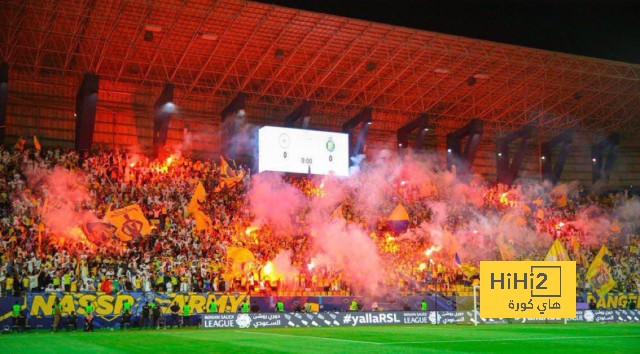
(243, 320)
(331, 145)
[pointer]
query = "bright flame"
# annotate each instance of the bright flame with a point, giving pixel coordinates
(423, 266)
(132, 164)
(169, 160)
(475, 231)
(250, 230)
(432, 249)
(403, 183)
(310, 266)
(268, 268)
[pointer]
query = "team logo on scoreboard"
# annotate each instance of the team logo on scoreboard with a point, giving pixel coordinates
(331, 145)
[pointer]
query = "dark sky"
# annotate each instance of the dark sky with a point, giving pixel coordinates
(602, 29)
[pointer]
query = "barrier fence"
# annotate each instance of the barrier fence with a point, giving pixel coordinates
(37, 308)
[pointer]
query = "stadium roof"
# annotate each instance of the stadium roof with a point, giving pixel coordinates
(280, 56)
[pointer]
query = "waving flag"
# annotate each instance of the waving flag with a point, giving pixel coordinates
(467, 269)
(428, 189)
(398, 221)
(129, 221)
(225, 169)
(239, 261)
(100, 233)
(562, 201)
(338, 214)
(599, 273)
(203, 221)
(557, 252)
(20, 143)
(36, 143)
(229, 178)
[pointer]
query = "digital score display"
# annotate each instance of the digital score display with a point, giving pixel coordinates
(303, 151)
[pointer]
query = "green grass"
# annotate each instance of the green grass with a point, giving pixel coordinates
(539, 338)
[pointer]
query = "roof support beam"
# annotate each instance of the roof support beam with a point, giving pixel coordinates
(601, 169)
(420, 125)
(163, 109)
(548, 170)
(86, 105)
(364, 119)
(302, 111)
(463, 160)
(508, 169)
(4, 92)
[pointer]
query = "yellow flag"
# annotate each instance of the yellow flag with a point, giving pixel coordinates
(239, 261)
(129, 221)
(428, 190)
(562, 201)
(557, 252)
(599, 274)
(337, 214)
(36, 143)
(203, 221)
(576, 248)
(469, 270)
(199, 196)
(225, 169)
(229, 182)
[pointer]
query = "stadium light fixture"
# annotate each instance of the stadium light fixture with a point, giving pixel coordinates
(449, 150)
(209, 37)
(594, 160)
(149, 30)
(542, 158)
(499, 154)
(152, 28)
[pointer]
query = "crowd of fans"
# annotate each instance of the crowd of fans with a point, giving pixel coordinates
(175, 257)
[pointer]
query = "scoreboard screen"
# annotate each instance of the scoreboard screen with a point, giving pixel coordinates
(303, 151)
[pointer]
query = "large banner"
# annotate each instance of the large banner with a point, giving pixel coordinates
(109, 307)
(324, 319)
(612, 300)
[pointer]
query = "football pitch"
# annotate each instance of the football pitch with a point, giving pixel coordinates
(520, 338)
